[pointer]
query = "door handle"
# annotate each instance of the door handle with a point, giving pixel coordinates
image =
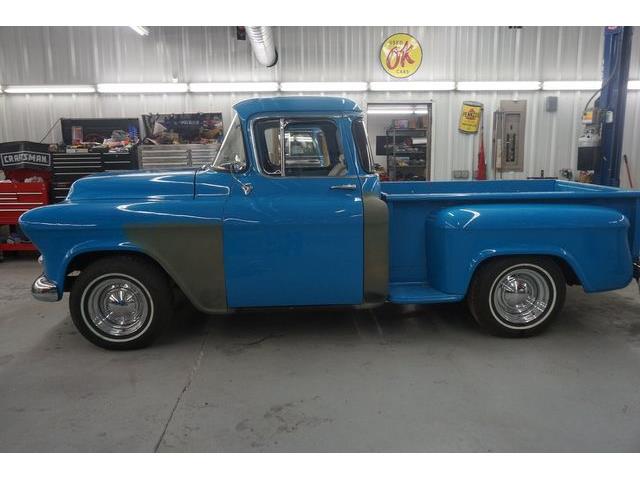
(348, 186)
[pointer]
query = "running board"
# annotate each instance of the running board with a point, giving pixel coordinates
(419, 293)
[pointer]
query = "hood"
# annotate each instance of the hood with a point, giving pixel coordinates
(134, 185)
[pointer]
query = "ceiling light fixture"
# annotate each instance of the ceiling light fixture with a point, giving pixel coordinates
(323, 86)
(233, 87)
(143, 88)
(411, 86)
(498, 86)
(49, 89)
(140, 30)
(572, 85)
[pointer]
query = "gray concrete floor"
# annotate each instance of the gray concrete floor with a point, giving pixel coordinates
(391, 379)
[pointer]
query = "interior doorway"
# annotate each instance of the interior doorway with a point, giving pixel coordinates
(400, 136)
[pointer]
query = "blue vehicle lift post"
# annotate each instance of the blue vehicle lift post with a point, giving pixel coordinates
(613, 99)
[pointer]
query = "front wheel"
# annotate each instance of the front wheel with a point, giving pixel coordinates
(121, 302)
(517, 296)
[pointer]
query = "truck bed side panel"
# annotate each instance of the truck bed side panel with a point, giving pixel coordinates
(412, 258)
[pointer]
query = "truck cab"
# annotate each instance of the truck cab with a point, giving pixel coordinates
(304, 200)
(291, 213)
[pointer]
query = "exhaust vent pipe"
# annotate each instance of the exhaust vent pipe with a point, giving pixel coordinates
(263, 46)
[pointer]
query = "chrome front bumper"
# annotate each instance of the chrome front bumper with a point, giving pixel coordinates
(45, 290)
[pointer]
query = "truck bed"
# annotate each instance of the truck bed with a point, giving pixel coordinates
(501, 189)
(413, 205)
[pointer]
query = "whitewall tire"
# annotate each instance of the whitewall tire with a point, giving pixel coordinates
(121, 302)
(517, 296)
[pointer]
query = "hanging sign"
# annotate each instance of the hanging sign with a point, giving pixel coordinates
(17, 155)
(401, 55)
(470, 117)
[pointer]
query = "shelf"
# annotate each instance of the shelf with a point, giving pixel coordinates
(398, 139)
(409, 130)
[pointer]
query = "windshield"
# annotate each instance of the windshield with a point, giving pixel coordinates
(232, 149)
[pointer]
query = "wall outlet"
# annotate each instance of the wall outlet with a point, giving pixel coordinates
(460, 174)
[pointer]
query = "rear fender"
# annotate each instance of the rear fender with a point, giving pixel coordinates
(593, 241)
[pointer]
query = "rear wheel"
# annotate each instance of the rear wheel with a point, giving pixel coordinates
(121, 302)
(517, 296)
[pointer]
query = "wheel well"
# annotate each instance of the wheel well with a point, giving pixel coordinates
(83, 260)
(567, 270)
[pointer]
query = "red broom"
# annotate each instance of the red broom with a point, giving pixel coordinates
(482, 165)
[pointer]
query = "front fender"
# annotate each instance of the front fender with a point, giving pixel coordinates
(593, 241)
(183, 236)
(63, 231)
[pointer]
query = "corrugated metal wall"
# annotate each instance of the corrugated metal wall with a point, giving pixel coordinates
(88, 55)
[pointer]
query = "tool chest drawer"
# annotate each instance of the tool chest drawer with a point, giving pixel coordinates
(69, 167)
(119, 161)
(17, 198)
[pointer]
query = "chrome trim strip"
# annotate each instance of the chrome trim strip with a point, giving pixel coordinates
(45, 290)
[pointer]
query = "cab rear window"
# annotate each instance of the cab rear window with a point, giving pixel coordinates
(365, 159)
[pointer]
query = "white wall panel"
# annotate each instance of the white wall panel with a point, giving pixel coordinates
(89, 55)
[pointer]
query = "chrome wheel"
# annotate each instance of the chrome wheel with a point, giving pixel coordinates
(117, 305)
(522, 297)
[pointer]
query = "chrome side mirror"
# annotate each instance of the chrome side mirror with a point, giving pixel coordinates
(234, 166)
(237, 165)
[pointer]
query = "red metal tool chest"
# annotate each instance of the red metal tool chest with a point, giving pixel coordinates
(15, 199)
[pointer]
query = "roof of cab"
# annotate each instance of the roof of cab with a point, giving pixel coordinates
(247, 108)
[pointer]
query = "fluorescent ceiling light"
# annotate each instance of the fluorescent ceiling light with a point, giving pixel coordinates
(143, 87)
(323, 86)
(421, 111)
(234, 87)
(499, 85)
(140, 30)
(50, 89)
(633, 85)
(409, 86)
(390, 111)
(572, 85)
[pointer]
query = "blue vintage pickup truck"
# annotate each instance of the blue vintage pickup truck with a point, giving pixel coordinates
(291, 213)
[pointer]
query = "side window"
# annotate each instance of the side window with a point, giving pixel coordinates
(267, 138)
(311, 148)
(362, 144)
(232, 149)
